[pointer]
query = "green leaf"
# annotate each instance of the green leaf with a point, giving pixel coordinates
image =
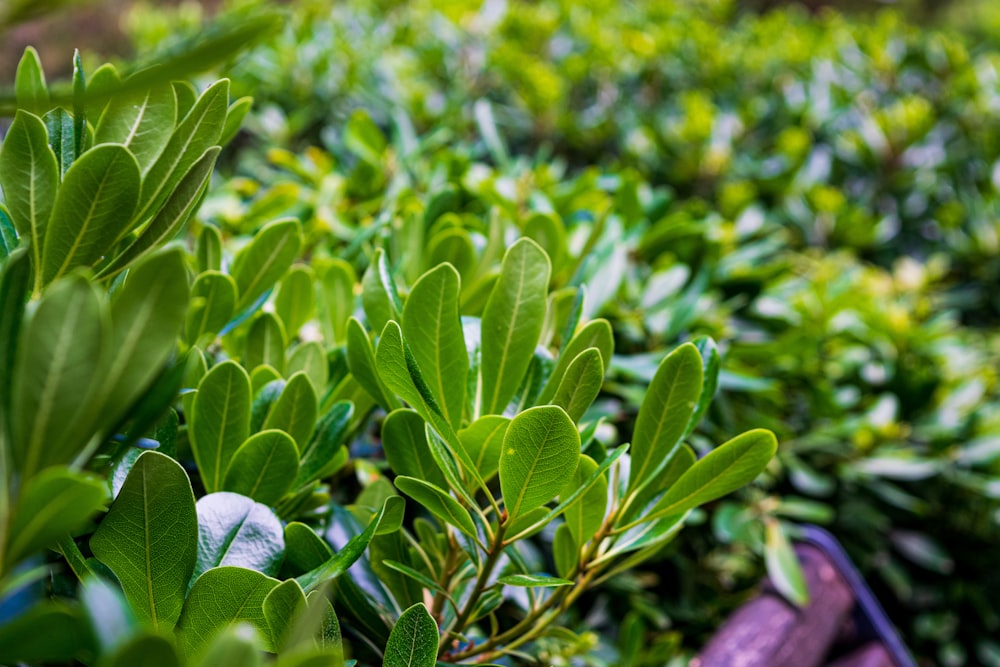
(585, 515)
(220, 422)
(319, 458)
(213, 303)
(265, 343)
(363, 138)
(729, 466)
(233, 646)
(48, 632)
(361, 362)
(404, 442)
(296, 300)
(15, 286)
(437, 501)
(295, 410)
(91, 210)
(182, 201)
(61, 359)
(60, 126)
(264, 397)
(199, 131)
(413, 641)
(142, 121)
(310, 358)
(711, 363)
(432, 328)
(483, 440)
(148, 650)
(340, 562)
(304, 549)
(336, 302)
(220, 597)
(29, 83)
(580, 384)
(264, 467)
(783, 565)
(665, 413)
(565, 552)
(379, 297)
(540, 450)
(512, 324)
(238, 110)
(235, 530)
(533, 581)
(52, 505)
(281, 606)
(8, 234)
(146, 315)
(259, 265)
(149, 538)
(29, 176)
(209, 248)
(683, 459)
(596, 334)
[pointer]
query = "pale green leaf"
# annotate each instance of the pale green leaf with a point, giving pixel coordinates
(213, 303)
(483, 440)
(783, 566)
(264, 467)
(580, 384)
(296, 300)
(595, 334)
(533, 581)
(259, 265)
(295, 411)
(265, 343)
(220, 420)
(379, 297)
(142, 121)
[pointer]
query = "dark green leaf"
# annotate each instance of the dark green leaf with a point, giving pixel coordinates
(148, 650)
(62, 140)
(361, 362)
(438, 502)
(222, 596)
(265, 343)
(264, 467)
(405, 444)
(413, 641)
(295, 410)
(580, 384)
(49, 632)
(281, 606)
(319, 458)
(585, 515)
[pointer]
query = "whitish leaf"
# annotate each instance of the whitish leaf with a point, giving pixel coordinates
(149, 538)
(663, 417)
(432, 328)
(413, 641)
(235, 530)
(91, 210)
(512, 324)
(541, 450)
(220, 422)
(264, 467)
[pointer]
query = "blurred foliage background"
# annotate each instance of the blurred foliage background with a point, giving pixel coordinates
(815, 186)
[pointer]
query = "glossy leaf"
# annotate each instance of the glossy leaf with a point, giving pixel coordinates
(432, 328)
(295, 410)
(235, 530)
(149, 538)
(339, 563)
(199, 131)
(259, 265)
(264, 467)
(378, 293)
(91, 210)
(533, 581)
(413, 641)
(404, 442)
(213, 302)
(29, 82)
(361, 362)
(585, 515)
(437, 501)
(305, 549)
(729, 466)
(180, 205)
(665, 412)
(580, 384)
(62, 354)
(320, 458)
(141, 121)
(220, 597)
(220, 422)
(483, 440)
(265, 343)
(541, 449)
(62, 138)
(29, 176)
(596, 334)
(52, 505)
(512, 324)
(296, 301)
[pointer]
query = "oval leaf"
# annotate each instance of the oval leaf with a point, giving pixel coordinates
(413, 641)
(220, 422)
(259, 265)
(235, 530)
(264, 467)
